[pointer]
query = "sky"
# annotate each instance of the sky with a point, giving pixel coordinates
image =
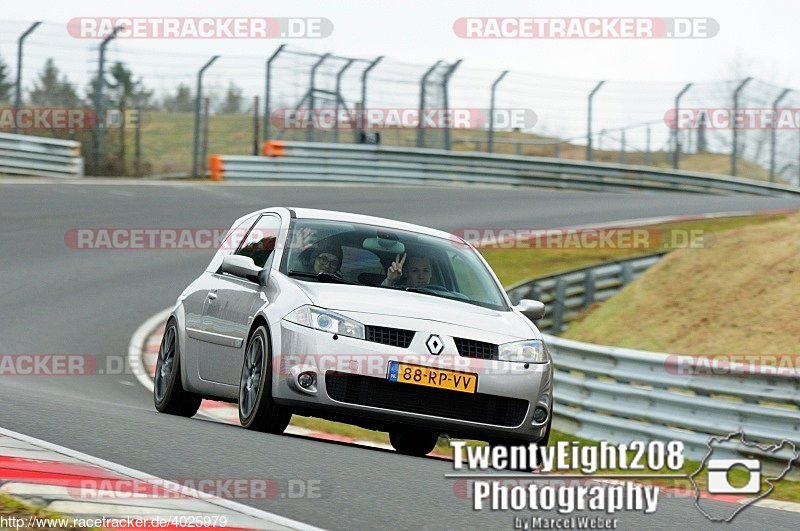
(759, 38)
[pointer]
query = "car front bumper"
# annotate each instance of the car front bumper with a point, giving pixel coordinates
(350, 380)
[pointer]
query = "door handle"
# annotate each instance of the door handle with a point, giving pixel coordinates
(212, 295)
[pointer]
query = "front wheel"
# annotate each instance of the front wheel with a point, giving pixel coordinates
(257, 409)
(414, 443)
(169, 395)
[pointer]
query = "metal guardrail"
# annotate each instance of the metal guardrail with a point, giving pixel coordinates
(39, 156)
(620, 394)
(298, 161)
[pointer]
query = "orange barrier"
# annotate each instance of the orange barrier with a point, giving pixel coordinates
(273, 148)
(215, 167)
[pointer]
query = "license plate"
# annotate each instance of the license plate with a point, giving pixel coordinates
(432, 377)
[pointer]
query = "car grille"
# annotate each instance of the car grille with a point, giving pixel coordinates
(469, 348)
(396, 337)
(378, 392)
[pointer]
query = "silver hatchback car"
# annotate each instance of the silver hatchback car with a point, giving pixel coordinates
(386, 325)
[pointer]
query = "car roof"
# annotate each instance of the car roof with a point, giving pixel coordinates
(333, 215)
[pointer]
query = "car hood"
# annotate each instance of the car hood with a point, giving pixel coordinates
(401, 307)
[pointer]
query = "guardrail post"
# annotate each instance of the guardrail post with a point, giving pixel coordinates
(627, 273)
(589, 288)
(422, 91)
(559, 302)
(266, 90)
(772, 134)
(18, 85)
(198, 100)
(676, 153)
(589, 121)
(339, 75)
(735, 147)
(362, 120)
(99, 103)
(490, 146)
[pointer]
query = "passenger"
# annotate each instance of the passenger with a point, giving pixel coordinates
(418, 271)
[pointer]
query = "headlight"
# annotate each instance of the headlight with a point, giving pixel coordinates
(326, 321)
(530, 351)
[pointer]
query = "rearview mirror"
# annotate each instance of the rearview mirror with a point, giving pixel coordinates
(242, 267)
(531, 309)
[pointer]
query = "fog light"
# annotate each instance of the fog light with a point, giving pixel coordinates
(539, 415)
(306, 379)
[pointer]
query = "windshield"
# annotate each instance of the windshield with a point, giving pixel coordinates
(368, 255)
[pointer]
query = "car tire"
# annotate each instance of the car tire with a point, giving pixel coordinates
(258, 411)
(169, 396)
(414, 443)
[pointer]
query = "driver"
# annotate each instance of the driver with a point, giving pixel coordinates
(418, 271)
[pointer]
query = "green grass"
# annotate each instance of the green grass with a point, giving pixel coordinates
(12, 507)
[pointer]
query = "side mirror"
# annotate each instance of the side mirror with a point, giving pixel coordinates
(243, 267)
(531, 309)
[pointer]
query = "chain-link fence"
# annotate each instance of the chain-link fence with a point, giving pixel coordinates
(156, 122)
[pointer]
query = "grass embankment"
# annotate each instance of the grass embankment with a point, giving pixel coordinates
(167, 140)
(737, 297)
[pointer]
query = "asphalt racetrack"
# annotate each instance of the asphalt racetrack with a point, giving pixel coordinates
(61, 300)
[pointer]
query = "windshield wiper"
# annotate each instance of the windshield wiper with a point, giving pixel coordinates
(426, 291)
(322, 277)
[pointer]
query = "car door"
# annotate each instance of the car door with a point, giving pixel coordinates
(231, 305)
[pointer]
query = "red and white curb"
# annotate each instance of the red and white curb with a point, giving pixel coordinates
(78, 485)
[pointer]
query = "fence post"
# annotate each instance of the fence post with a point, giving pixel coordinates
(448, 143)
(420, 124)
(773, 135)
(312, 102)
(362, 119)
(647, 154)
(256, 132)
(490, 147)
(622, 147)
(18, 85)
(137, 150)
(99, 103)
(735, 147)
(589, 121)
(198, 99)
(267, 90)
(204, 157)
(339, 75)
(676, 154)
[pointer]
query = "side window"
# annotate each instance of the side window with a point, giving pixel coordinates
(232, 239)
(259, 244)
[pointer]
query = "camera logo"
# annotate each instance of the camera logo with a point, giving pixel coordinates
(730, 475)
(720, 469)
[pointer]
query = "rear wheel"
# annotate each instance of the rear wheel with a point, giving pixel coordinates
(414, 443)
(257, 409)
(169, 395)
